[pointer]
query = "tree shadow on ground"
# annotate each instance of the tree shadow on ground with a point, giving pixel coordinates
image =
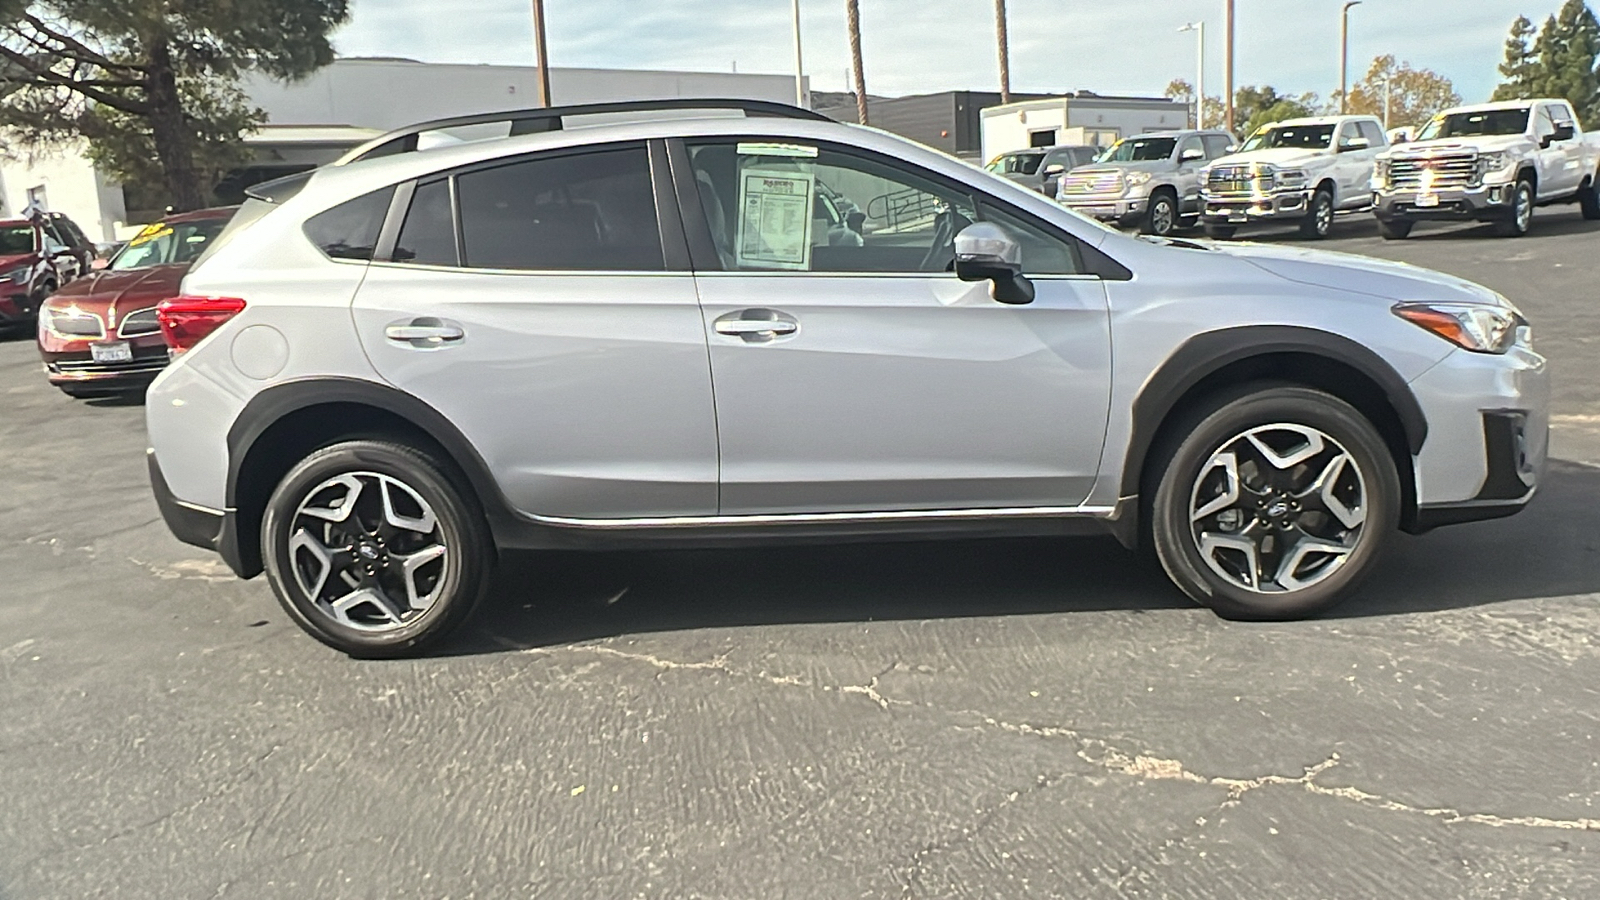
(1551, 549)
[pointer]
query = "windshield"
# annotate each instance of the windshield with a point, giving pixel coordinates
(1139, 150)
(1472, 124)
(162, 244)
(16, 239)
(1016, 163)
(1306, 137)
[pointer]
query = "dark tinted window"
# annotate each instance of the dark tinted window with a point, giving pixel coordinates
(1373, 134)
(589, 211)
(350, 230)
(70, 231)
(1043, 252)
(428, 236)
(1216, 145)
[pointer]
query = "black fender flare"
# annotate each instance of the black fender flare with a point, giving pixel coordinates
(1206, 354)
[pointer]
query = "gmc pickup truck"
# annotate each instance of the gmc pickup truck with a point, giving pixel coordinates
(1302, 170)
(1493, 162)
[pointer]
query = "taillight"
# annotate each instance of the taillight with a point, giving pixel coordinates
(186, 320)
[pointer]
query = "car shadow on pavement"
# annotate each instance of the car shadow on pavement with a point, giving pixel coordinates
(1552, 549)
(1546, 226)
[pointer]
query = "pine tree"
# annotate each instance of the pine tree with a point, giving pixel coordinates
(1518, 69)
(1567, 50)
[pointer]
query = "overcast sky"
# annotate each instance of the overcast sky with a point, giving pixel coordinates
(917, 46)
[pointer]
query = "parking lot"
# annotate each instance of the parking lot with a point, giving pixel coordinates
(1040, 718)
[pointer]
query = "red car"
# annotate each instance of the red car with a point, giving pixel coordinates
(99, 335)
(37, 256)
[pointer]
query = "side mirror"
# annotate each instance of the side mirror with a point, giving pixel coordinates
(1354, 144)
(1054, 169)
(987, 252)
(1191, 155)
(1231, 148)
(1564, 133)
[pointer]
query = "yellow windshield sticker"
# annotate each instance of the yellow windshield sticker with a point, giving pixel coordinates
(150, 233)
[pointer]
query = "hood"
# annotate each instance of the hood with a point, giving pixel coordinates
(1283, 157)
(128, 291)
(1146, 165)
(1380, 278)
(1446, 145)
(8, 263)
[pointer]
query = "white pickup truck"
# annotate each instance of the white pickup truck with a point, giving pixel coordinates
(1493, 162)
(1300, 170)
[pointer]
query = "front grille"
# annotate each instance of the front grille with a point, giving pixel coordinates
(135, 366)
(137, 323)
(1235, 180)
(1459, 170)
(1092, 181)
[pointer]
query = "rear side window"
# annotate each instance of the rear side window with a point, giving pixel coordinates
(428, 236)
(592, 211)
(350, 230)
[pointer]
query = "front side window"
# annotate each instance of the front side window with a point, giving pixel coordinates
(891, 219)
(164, 244)
(592, 211)
(1016, 163)
(1374, 135)
(1192, 143)
(16, 239)
(1216, 145)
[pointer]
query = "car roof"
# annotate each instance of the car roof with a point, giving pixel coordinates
(1501, 104)
(200, 215)
(11, 223)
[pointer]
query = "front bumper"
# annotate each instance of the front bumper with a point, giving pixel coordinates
(1485, 202)
(1107, 207)
(78, 369)
(1488, 436)
(1229, 209)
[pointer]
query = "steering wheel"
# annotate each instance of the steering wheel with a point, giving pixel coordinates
(947, 223)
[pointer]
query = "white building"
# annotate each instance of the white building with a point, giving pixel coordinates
(1081, 118)
(313, 121)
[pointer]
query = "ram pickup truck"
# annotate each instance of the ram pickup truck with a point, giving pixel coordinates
(1493, 162)
(1301, 170)
(1151, 181)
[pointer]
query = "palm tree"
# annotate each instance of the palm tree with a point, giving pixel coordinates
(853, 18)
(1005, 50)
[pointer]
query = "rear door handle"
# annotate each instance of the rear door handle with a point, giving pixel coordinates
(756, 326)
(425, 332)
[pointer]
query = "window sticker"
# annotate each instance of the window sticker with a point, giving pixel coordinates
(792, 150)
(150, 233)
(775, 219)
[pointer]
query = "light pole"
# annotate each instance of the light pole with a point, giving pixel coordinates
(1344, 56)
(539, 48)
(852, 22)
(1199, 74)
(799, 61)
(1227, 68)
(1004, 49)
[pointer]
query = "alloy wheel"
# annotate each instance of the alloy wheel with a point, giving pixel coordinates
(368, 552)
(1162, 217)
(1278, 508)
(1324, 213)
(1524, 210)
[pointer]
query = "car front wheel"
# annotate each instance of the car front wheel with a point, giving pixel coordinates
(374, 549)
(1276, 504)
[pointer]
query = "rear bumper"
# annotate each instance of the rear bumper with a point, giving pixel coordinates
(1486, 202)
(198, 526)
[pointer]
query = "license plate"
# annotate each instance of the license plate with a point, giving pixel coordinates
(115, 352)
(1238, 217)
(1427, 199)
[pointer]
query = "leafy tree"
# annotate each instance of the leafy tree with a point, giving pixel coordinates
(1181, 89)
(1414, 95)
(1519, 69)
(153, 84)
(1567, 49)
(1257, 106)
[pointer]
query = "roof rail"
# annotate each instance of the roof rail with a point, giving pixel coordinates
(549, 118)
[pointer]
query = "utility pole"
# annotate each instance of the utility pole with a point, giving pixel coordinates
(1344, 56)
(1004, 50)
(1388, 97)
(1227, 80)
(539, 48)
(853, 22)
(1199, 74)
(799, 61)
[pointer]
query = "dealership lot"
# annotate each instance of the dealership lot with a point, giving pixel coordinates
(1012, 718)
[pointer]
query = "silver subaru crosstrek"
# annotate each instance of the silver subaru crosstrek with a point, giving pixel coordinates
(629, 325)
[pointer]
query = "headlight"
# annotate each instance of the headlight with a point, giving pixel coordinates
(1470, 326)
(19, 275)
(73, 322)
(1291, 177)
(1137, 178)
(1490, 163)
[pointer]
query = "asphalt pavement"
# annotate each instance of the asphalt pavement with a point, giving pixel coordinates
(1041, 718)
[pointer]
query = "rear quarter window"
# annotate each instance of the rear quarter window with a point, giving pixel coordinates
(350, 230)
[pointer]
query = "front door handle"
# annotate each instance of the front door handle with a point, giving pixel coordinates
(425, 332)
(756, 326)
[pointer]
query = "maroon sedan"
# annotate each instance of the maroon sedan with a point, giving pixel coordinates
(99, 334)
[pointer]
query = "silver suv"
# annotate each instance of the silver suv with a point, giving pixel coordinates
(664, 331)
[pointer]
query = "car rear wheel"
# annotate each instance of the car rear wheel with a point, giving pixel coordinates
(1589, 200)
(1395, 229)
(1520, 217)
(1162, 217)
(1275, 504)
(1318, 222)
(375, 549)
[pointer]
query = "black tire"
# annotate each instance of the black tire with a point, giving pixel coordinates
(1184, 464)
(457, 584)
(1318, 222)
(1520, 219)
(1395, 229)
(1220, 232)
(1162, 218)
(1589, 200)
